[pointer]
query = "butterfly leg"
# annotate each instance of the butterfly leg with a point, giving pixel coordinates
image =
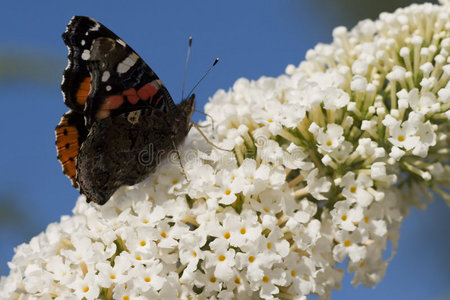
(179, 159)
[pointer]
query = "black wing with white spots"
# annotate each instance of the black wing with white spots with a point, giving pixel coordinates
(105, 76)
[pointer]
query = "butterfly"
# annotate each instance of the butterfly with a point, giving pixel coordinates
(122, 121)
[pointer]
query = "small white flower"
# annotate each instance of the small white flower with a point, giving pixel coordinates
(83, 253)
(117, 274)
(355, 190)
(335, 98)
(294, 158)
(268, 283)
(141, 242)
(358, 84)
(349, 244)
(168, 235)
(427, 139)
(345, 216)
(403, 135)
(147, 277)
(306, 235)
(316, 186)
(271, 152)
(221, 259)
(35, 279)
(250, 179)
(332, 139)
(378, 170)
(301, 273)
(190, 252)
(61, 270)
(86, 287)
(340, 154)
(396, 153)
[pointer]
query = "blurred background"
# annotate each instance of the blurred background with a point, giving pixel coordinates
(252, 39)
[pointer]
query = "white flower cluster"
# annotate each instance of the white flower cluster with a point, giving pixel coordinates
(326, 161)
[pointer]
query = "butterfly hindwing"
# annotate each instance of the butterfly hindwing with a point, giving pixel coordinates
(103, 167)
(70, 134)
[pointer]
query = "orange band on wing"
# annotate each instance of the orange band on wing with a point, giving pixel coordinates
(83, 90)
(112, 102)
(132, 96)
(147, 91)
(67, 147)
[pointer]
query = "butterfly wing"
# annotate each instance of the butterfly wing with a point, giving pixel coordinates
(140, 142)
(119, 80)
(70, 134)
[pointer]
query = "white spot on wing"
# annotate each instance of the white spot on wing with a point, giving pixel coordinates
(133, 117)
(95, 27)
(122, 68)
(83, 42)
(105, 76)
(85, 55)
(127, 63)
(108, 88)
(121, 42)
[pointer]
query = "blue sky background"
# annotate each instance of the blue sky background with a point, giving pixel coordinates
(252, 38)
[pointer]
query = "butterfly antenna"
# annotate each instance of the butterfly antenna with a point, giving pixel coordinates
(186, 66)
(203, 77)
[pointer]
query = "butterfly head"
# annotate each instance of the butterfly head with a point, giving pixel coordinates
(187, 107)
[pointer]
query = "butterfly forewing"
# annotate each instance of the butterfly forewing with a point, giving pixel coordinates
(105, 76)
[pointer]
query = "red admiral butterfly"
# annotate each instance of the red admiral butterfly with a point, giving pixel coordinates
(122, 120)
